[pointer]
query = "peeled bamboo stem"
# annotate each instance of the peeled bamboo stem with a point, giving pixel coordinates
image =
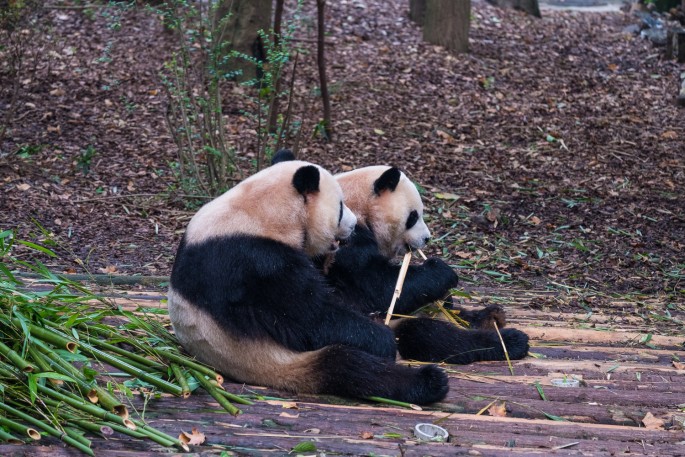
(398, 286)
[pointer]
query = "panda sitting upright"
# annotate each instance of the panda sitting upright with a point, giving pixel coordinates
(389, 222)
(246, 298)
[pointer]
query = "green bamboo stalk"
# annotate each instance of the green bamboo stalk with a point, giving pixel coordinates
(15, 358)
(50, 336)
(140, 360)
(86, 407)
(88, 389)
(121, 429)
(158, 436)
(101, 429)
(20, 428)
(120, 364)
(44, 365)
(234, 397)
(223, 401)
(9, 438)
(47, 428)
(75, 435)
(186, 362)
(182, 381)
(389, 401)
(61, 366)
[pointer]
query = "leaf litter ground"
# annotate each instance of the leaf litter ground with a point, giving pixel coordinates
(551, 155)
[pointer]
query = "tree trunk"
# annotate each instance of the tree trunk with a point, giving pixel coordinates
(417, 11)
(447, 24)
(327, 126)
(239, 22)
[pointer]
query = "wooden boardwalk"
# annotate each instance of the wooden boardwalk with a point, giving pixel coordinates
(630, 400)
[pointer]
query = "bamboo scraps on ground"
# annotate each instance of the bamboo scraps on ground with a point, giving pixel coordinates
(398, 286)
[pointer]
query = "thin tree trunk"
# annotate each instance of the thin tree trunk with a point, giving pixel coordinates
(447, 24)
(328, 127)
(273, 113)
(417, 11)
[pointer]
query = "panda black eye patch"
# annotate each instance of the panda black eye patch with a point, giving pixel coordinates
(412, 219)
(341, 213)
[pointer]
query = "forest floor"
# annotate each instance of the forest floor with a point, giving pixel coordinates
(551, 155)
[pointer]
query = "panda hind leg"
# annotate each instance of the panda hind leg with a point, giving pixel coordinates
(430, 340)
(349, 372)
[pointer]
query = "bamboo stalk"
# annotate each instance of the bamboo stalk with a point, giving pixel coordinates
(389, 401)
(190, 364)
(182, 381)
(76, 436)
(506, 353)
(159, 436)
(61, 366)
(213, 391)
(9, 438)
(47, 428)
(423, 256)
(50, 336)
(15, 358)
(39, 359)
(102, 429)
(130, 369)
(235, 398)
(128, 354)
(398, 286)
(122, 429)
(17, 427)
(85, 407)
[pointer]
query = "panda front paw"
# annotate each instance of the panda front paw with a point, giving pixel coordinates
(485, 318)
(441, 272)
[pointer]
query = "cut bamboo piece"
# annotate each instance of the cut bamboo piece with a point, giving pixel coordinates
(398, 286)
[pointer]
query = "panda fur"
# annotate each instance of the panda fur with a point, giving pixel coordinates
(389, 222)
(246, 297)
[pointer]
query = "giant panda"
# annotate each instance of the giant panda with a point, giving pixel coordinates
(246, 297)
(389, 222)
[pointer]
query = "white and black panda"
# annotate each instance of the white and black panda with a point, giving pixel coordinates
(246, 298)
(389, 222)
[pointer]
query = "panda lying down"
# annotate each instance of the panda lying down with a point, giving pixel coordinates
(247, 297)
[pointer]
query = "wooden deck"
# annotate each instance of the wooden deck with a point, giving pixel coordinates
(627, 355)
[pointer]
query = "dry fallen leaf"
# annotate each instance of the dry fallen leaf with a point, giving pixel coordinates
(535, 220)
(446, 196)
(492, 215)
(109, 269)
(23, 187)
(669, 135)
(367, 435)
(678, 365)
(499, 409)
(283, 404)
(289, 415)
(652, 423)
(463, 254)
(195, 437)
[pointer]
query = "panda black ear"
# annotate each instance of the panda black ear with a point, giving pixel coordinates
(388, 181)
(306, 180)
(283, 155)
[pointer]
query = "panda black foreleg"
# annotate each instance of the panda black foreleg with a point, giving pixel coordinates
(430, 340)
(349, 372)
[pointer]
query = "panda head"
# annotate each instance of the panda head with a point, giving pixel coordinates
(294, 202)
(389, 204)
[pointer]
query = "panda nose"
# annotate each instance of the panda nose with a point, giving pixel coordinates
(426, 240)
